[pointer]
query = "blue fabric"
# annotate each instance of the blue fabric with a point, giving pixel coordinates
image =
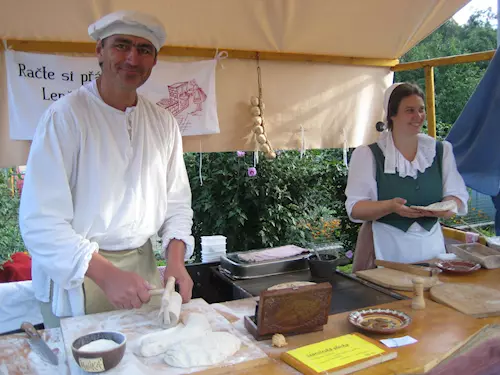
(475, 136)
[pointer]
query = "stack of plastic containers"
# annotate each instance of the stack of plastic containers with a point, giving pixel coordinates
(212, 248)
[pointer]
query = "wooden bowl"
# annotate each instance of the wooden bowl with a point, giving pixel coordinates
(383, 321)
(103, 360)
(457, 266)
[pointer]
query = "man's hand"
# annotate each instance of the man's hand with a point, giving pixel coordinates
(176, 268)
(126, 290)
(123, 289)
(182, 279)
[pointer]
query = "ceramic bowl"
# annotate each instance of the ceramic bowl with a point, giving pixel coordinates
(99, 361)
(383, 321)
(324, 267)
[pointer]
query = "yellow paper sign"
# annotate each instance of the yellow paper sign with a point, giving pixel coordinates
(336, 352)
(91, 364)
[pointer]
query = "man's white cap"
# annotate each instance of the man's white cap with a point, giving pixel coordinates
(128, 22)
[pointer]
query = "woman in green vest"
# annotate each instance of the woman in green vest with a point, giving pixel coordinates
(403, 168)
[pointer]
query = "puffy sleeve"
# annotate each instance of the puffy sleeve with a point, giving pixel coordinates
(46, 210)
(361, 179)
(453, 183)
(179, 217)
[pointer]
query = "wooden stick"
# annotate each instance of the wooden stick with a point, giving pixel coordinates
(156, 292)
(47, 46)
(430, 101)
(449, 60)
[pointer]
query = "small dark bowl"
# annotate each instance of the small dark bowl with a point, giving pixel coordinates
(102, 360)
(324, 267)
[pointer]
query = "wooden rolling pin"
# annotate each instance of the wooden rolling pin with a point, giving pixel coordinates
(403, 267)
(159, 291)
(156, 292)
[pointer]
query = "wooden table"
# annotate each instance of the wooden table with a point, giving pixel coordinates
(437, 329)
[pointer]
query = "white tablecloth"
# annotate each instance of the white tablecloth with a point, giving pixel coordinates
(17, 305)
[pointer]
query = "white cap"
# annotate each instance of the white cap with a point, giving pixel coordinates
(129, 22)
(387, 96)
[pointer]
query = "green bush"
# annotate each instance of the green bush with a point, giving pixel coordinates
(10, 237)
(275, 207)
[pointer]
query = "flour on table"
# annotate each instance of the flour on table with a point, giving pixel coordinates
(98, 346)
(210, 349)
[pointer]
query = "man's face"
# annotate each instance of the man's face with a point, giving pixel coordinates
(126, 60)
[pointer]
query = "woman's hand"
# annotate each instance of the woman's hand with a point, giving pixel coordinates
(399, 207)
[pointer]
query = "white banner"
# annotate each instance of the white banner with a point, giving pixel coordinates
(35, 81)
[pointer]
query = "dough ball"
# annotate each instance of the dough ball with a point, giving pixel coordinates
(278, 340)
(255, 111)
(258, 130)
(271, 155)
(257, 120)
(254, 101)
(265, 148)
(207, 350)
(261, 138)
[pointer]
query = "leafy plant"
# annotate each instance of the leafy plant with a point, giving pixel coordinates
(10, 237)
(277, 206)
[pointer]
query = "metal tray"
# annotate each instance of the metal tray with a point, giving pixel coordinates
(232, 267)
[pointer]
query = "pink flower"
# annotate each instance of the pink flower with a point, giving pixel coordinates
(240, 154)
(252, 171)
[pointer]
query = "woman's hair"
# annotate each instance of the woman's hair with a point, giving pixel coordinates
(398, 94)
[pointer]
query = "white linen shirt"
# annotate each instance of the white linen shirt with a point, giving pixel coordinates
(99, 178)
(391, 243)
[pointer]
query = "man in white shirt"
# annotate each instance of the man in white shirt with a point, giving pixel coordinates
(105, 173)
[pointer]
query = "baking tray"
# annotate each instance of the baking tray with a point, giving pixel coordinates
(234, 268)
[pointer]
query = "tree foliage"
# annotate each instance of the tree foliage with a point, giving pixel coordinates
(291, 200)
(454, 84)
(10, 237)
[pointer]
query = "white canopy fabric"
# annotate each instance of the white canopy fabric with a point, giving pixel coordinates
(335, 105)
(363, 28)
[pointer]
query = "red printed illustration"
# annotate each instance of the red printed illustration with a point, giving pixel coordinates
(185, 100)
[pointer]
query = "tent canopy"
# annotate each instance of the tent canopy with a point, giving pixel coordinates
(359, 28)
(329, 105)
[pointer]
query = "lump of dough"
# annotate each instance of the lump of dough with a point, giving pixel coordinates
(278, 340)
(195, 325)
(208, 350)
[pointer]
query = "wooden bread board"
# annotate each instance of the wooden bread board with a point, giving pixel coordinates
(489, 334)
(486, 256)
(475, 300)
(136, 323)
(394, 279)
